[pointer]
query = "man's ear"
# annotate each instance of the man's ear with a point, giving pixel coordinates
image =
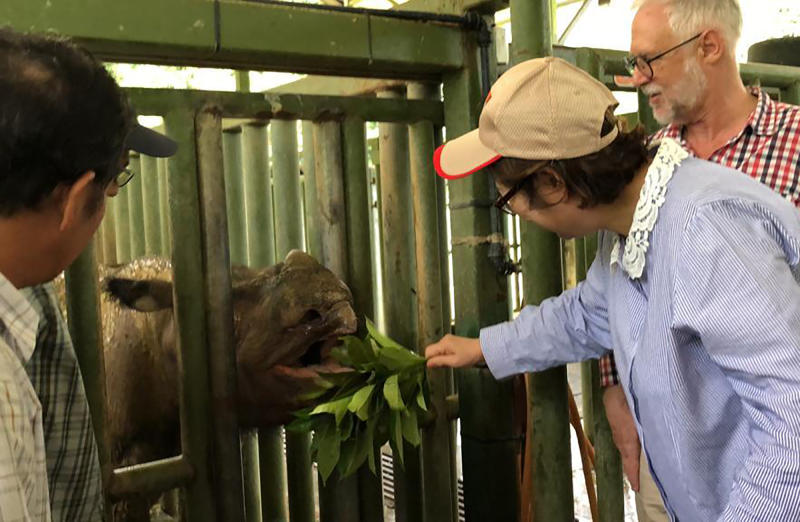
(712, 46)
(74, 200)
(551, 186)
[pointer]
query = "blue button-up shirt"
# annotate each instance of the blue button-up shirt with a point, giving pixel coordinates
(706, 330)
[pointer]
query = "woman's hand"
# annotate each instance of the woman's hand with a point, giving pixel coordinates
(455, 352)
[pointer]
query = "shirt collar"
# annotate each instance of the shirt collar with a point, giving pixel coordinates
(670, 154)
(18, 320)
(765, 119)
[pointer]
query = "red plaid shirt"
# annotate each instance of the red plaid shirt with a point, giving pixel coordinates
(767, 149)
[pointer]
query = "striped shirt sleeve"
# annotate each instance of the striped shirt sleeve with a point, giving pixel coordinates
(736, 290)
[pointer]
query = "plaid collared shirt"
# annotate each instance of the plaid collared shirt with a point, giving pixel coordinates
(73, 466)
(767, 149)
(23, 475)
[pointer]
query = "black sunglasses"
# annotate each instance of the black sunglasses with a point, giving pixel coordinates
(633, 62)
(503, 202)
(123, 177)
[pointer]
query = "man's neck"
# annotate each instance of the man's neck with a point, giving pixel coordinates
(721, 116)
(24, 250)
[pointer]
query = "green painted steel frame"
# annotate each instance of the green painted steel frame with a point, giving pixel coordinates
(246, 35)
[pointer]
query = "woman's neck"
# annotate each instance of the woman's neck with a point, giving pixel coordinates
(618, 215)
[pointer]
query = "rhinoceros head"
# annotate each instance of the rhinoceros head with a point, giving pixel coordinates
(287, 317)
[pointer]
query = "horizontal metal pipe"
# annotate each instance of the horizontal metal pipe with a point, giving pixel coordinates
(150, 477)
(289, 106)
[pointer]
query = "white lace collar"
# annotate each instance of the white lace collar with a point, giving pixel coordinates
(670, 154)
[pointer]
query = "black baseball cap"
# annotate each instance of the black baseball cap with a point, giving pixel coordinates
(147, 141)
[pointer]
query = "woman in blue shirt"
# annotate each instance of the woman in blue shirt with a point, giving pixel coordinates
(695, 286)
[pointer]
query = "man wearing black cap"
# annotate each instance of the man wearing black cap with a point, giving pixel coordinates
(65, 131)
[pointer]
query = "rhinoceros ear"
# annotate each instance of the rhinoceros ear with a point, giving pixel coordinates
(144, 295)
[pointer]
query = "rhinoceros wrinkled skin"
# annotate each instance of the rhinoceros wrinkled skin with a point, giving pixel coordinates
(286, 319)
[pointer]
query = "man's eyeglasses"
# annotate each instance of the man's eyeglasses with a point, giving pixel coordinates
(123, 177)
(633, 62)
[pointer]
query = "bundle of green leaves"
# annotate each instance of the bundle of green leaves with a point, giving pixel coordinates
(381, 397)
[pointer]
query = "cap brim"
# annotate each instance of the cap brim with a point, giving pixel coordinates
(463, 156)
(147, 141)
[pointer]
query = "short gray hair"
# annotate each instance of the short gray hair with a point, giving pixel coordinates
(689, 17)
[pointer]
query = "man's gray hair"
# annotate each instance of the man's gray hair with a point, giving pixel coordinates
(689, 17)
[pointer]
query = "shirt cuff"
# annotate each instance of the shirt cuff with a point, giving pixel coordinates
(495, 351)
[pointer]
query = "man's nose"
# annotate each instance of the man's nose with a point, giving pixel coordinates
(638, 78)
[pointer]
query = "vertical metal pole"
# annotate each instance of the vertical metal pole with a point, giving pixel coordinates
(359, 274)
(438, 447)
(163, 203)
(491, 442)
(184, 212)
(122, 229)
(286, 179)
(313, 239)
(109, 244)
(258, 196)
(135, 208)
(261, 252)
(399, 285)
(608, 465)
(85, 331)
(792, 94)
(288, 236)
(234, 194)
(338, 498)
(541, 264)
(219, 313)
(151, 206)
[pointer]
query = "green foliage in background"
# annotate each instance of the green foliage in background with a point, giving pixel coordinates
(382, 398)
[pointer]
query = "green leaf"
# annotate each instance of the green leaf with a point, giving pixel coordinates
(338, 408)
(371, 449)
(421, 400)
(381, 339)
(411, 428)
(396, 359)
(391, 390)
(327, 442)
(360, 398)
(396, 427)
(360, 352)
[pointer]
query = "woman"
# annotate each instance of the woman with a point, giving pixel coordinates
(695, 286)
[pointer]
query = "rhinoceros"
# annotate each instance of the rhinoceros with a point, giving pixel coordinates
(287, 318)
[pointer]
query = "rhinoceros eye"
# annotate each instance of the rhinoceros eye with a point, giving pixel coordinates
(311, 316)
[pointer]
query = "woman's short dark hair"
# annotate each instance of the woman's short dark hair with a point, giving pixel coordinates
(596, 178)
(61, 114)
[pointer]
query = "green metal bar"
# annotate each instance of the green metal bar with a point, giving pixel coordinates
(243, 81)
(261, 252)
(135, 208)
(85, 331)
(109, 245)
(235, 184)
(288, 106)
(607, 460)
(313, 239)
(338, 498)
(399, 282)
(359, 274)
(286, 181)
(163, 202)
(122, 221)
(184, 212)
(231, 34)
(150, 477)
(550, 459)
(151, 206)
(219, 313)
(234, 195)
(258, 196)
(792, 94)
(438, 447)
(288, 236)
(491, 442)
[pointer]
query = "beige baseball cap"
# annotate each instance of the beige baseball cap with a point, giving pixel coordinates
(540, 109)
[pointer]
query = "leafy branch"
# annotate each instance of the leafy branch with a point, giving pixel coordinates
(381, 398)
